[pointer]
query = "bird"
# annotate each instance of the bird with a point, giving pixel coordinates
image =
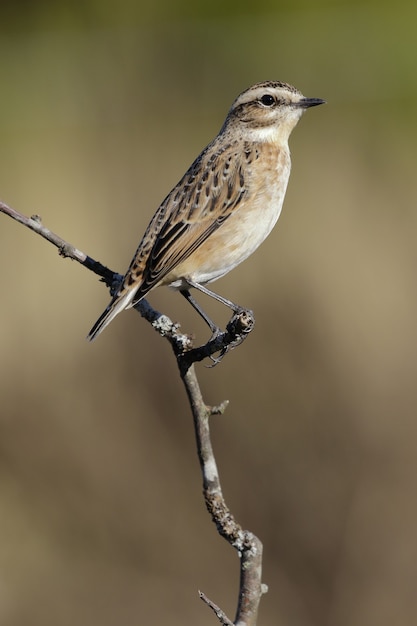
(224, 206)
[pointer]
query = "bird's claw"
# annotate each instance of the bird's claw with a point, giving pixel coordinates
(236, 332)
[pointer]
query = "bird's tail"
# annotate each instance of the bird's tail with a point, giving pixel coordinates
(121, 302)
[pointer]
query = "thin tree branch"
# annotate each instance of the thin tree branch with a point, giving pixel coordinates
(65, 249)
(221, 616)
(236, 332)
(246, 543)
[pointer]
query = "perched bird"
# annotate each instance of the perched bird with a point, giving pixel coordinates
(224, 206)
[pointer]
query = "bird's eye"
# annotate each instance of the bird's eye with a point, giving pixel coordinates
(268, 100)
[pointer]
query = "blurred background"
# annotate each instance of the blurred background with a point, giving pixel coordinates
(103, 106)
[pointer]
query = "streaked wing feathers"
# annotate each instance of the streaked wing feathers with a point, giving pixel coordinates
(203, 199)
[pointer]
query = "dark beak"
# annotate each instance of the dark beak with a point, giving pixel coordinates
(306, 103)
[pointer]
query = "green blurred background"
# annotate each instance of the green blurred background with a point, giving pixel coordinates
(103, 106)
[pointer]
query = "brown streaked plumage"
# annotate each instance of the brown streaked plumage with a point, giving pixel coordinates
(224, 206)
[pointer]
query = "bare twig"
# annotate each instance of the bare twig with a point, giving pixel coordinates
(221, 616)
(65, 249)
(236, 332)
(246, 543)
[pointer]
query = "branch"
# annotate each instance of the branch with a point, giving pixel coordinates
(221, 616)
(246, 543)
(236, 332)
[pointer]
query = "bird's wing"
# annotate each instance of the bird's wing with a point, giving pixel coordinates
(204, 198)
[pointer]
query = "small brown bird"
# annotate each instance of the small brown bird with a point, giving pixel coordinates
(224, 206)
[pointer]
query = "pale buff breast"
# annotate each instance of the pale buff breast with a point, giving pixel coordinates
(249, 225)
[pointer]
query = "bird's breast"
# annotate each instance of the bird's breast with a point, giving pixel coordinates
(250, 222)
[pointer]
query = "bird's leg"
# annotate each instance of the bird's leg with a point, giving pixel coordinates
(231, 305)
(213, 327)
(240, 325)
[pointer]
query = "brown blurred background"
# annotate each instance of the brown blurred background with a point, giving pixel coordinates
(103, 106)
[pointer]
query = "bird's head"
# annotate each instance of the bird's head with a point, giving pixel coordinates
(268, 111)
